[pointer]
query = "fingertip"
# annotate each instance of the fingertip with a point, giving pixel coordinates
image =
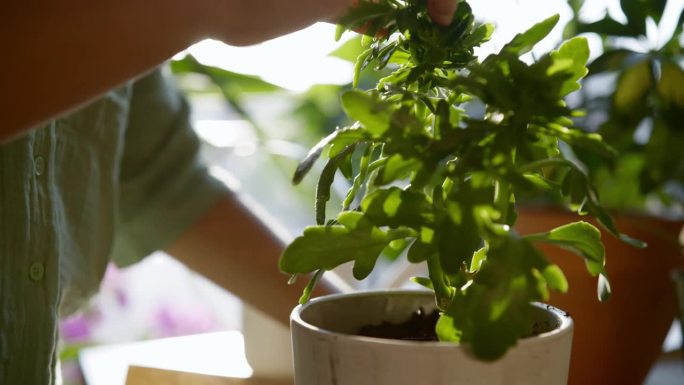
(441, 19)
(442, 11)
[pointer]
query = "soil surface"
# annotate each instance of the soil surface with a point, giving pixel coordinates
(420, 327)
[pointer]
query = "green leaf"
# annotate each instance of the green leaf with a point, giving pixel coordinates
(555, 278)
(479, 257)
(422, 281)
(354, 220)
(325, 181)
(361, 61)
(305, 165)
(350, 50)
(491, 341)
(608, 26)
(446, 329)
(539, 182)
(378, 14)
(481, 34)
(576, 53)
(444, 293)
(632, 87)
(671, 84)
(364, 265)
(237, 82)
(398, 168)
(368, 109)
(614, 60)
(326, 247)
(457, 242)
(344, 138)
(396, 207)
(523, 43)
(575, 187)
(306, 294)
(420, 252)
(581, 238)
(576, 5)
(395, 249)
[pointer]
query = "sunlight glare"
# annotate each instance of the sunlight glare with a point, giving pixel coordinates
(299, 60)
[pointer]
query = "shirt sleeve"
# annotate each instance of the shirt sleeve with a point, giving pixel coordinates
(163, 186)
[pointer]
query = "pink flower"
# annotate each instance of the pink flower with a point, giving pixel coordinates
(178, 320)
(78, 327)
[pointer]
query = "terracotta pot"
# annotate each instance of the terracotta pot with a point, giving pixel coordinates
(616, 342)
(326, 352)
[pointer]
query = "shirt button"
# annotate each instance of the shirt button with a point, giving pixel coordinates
(36, 271)
(39, 165)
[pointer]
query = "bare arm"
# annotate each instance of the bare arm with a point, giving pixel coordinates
(235, 249)
(58, 55)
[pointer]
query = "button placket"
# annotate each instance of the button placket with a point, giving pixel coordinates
(36, 271)
(38, 165)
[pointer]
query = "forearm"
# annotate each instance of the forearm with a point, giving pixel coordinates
(236, 250)
(58, 55)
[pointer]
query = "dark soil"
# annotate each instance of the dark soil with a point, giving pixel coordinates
(420, 327)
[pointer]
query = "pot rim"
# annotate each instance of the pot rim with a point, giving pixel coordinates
(565, 321)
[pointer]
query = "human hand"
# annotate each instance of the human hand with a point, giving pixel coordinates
(442, 11)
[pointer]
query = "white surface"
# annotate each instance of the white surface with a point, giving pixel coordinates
(219, 354)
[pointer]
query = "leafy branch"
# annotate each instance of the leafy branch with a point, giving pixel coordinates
(430, 172)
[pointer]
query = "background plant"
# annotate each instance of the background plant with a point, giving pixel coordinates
(635, 100)
(436, 157)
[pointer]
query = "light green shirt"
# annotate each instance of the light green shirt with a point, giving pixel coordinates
(116, 180)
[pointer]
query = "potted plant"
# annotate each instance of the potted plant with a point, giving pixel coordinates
(633, 98)
(437, 156)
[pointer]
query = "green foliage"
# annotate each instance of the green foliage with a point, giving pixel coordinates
(642, 114)
(433, 176)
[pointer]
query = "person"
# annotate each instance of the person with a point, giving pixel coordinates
(98, 160)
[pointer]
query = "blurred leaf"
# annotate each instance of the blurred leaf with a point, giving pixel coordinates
(481, 34)
(423, 281)
(457, 240)
(350, 50)
(614, 60)
(608, 26)
(524, 42)
(398, 168)
(236, 81)
(446, 330)
(671, 84)
(555, 278)
(368, 109)
(632, 87)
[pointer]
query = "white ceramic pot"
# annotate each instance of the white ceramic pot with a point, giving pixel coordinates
(327, 353)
